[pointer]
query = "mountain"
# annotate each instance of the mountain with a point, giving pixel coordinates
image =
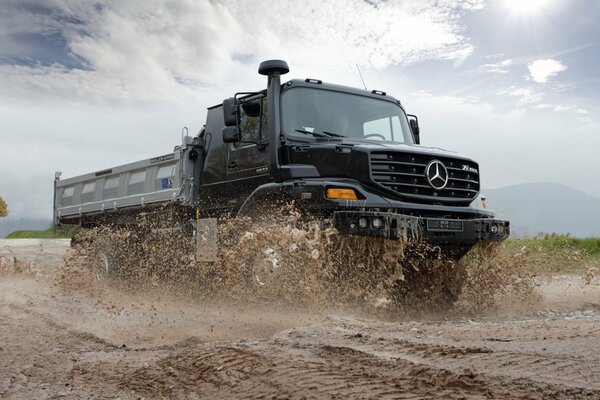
(10, 225)
(534, 208)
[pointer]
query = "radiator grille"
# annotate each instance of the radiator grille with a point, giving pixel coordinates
(403, 174)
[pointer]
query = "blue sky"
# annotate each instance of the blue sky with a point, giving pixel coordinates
(86, 85)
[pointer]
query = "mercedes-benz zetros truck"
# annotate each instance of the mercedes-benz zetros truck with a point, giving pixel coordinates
(339, 154)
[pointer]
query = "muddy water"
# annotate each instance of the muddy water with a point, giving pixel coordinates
(295, 263)
(73, 334)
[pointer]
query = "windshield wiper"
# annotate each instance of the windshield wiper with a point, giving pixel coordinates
(333, 134)
(318, 134)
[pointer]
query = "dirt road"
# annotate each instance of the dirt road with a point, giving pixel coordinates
(58, 343)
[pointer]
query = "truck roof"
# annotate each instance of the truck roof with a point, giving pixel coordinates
(312, 83)
(316, 83)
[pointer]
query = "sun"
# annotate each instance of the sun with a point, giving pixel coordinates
(527, 8)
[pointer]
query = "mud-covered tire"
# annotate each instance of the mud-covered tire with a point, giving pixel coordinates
(103, 258)
(112, 253)
(260, 273)
(102, 264)
(263, 268)
(264, 262)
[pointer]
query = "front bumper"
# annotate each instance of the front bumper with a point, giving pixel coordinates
(432, 230)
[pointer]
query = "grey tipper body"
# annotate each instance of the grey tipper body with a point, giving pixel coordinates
(165, 178)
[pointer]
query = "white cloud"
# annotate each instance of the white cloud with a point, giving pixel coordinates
(501, 67)
(153, 50)
(543, 70)
(560, 108)
(524, 95)
(494, 56)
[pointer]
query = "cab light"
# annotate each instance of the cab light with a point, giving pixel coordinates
(341, 194)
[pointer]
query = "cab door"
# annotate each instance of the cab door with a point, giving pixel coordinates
(248, 160)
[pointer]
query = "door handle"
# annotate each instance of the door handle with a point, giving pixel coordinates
(233, 164)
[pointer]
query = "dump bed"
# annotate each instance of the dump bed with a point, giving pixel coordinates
(135, 185)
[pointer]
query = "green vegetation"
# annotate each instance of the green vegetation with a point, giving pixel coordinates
(62, 232)
(589, 246)
(554, 253)
(3, 208)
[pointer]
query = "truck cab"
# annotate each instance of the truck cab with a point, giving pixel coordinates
(341, 152)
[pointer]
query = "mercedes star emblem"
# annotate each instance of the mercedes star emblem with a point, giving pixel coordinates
(437, 174)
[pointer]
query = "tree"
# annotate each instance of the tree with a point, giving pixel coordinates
(3, 208)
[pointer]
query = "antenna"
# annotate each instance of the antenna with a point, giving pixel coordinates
(361, 77)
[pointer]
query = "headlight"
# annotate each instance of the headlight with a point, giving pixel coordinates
(377, 222)
(363, 222)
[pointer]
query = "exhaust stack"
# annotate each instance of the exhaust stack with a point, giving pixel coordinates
(274, 69)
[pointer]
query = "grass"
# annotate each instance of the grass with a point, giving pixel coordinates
(62, 232)
(554, 254)
(589, 246)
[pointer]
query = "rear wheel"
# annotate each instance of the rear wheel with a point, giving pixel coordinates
(102, 255)
(112, 253)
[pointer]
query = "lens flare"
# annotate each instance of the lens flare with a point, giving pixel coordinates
(526, 8)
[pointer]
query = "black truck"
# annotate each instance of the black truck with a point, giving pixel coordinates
(341, 154)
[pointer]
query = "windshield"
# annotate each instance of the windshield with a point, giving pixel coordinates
(325, 113)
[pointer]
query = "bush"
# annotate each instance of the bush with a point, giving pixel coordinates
(62, 232)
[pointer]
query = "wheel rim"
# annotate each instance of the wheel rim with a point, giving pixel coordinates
(261, 274)
(263, 271)
(102, 265)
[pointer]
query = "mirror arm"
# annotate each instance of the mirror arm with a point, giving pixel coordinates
(414, 127)
(262, 145)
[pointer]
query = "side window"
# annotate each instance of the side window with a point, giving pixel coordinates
(378, 129)
(253, 120)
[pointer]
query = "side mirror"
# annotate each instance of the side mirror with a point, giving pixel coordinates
(231, 112)
(414, 127)
(231, 134)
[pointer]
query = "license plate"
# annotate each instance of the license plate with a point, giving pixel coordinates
(444, 225)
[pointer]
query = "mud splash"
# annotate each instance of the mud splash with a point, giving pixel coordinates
(496, 282)
(291, 262)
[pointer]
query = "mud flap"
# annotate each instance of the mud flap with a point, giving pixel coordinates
(206, 239)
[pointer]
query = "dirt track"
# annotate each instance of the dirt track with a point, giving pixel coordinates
(76, 344)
